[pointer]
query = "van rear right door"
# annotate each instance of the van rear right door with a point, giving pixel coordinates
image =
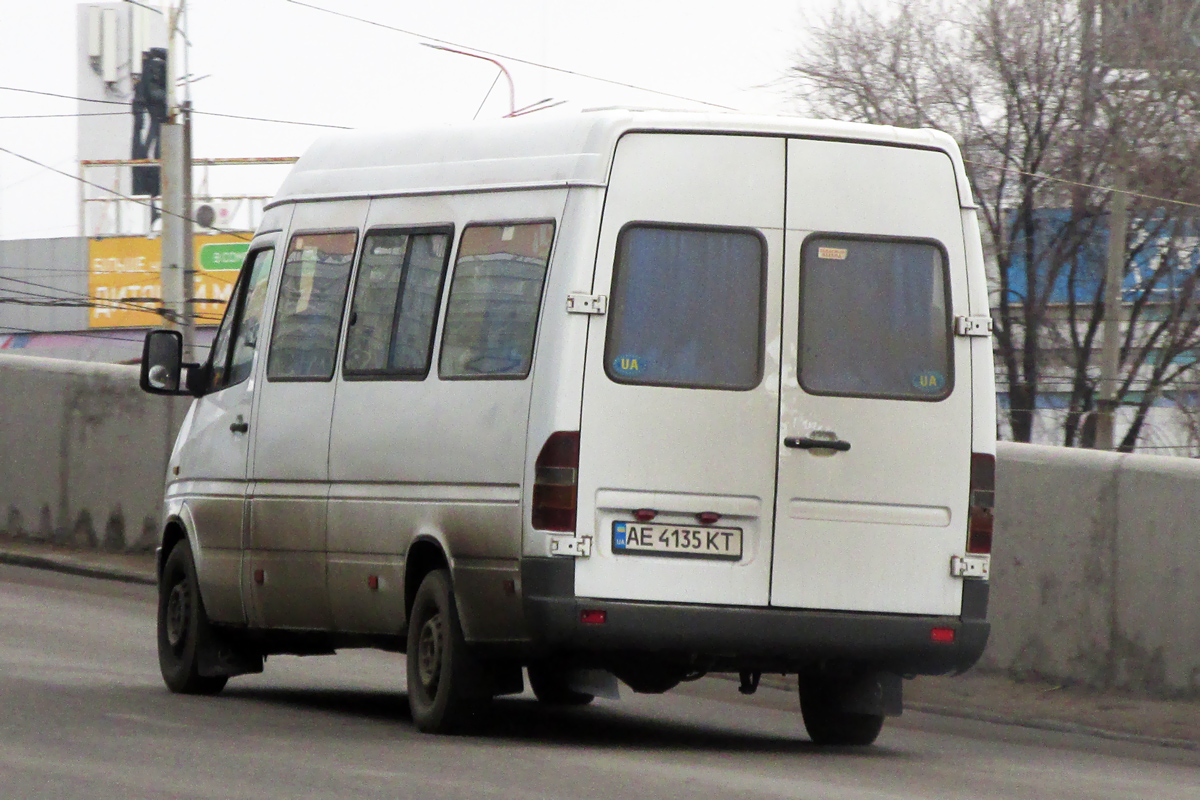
(874, 276)
(680, 401)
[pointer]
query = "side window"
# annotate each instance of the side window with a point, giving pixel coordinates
(218, 357)
(687, 308)
(397, 292)
(243, 314)
(254, 299)
(874, 319)
(491, 318)
(308, 316)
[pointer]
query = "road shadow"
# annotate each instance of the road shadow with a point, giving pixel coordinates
(524, 721)
(368, 705)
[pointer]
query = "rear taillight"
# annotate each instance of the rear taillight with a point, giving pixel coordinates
(980, 515)
(554, 482)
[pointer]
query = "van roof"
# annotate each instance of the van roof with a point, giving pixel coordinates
(540, 151)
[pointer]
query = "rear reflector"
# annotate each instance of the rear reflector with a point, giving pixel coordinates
(593, 616)
(944, 635)
(554, 483)
(980, 516)
(644, 514)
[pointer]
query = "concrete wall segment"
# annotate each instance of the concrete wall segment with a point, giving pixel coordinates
(1095, 574)
(1095, 568)
(83, 453)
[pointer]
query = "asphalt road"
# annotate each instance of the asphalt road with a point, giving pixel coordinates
(84, 714)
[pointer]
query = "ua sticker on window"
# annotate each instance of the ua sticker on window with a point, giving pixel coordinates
(630, 365)
(929, 381)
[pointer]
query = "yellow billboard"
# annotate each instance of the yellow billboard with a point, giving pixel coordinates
(124, 277)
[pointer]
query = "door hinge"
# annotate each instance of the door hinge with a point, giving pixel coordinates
(575, 547)
(973, 326)
(970, 566)
(579, 303)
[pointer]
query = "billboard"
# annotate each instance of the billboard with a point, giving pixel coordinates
(124, 277)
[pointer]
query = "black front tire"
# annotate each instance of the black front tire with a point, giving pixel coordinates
(551, 688)
(183, 626)
(827, 724)
(447, 686)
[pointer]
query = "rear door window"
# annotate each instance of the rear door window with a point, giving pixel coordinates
(308, 316)
(495, 296)
(687, 308)
(874, 318)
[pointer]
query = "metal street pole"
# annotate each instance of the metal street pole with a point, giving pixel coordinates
(178, 283)
(1110, 351)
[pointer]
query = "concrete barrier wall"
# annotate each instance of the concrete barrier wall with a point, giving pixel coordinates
(83, 453)
(1096, 569)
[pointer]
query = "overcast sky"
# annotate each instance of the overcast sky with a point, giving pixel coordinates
(276, 59)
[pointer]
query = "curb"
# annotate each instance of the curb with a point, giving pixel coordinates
(74, 568)
(1050, 725)
(1053, 726)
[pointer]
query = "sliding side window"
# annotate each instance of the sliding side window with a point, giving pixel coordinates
(687, 308)
(874, 318)
(495, 296)
(396, 296)
(308, 316)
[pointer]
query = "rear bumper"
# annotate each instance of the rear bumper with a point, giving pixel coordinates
(768, 639)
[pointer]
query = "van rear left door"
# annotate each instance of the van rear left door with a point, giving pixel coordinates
(680, 401)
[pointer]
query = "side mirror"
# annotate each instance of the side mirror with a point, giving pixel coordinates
(162, 363)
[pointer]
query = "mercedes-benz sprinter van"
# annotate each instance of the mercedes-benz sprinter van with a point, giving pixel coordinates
(636, 394)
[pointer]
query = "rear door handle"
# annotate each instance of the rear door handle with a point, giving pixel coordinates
(240, 426)
(807, 443)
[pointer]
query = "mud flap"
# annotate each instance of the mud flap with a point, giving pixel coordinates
(216, 657)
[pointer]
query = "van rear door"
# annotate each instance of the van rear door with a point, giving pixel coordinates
(874, 275)
(680, 403)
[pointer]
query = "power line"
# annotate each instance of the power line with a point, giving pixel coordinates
(90, 301)
(59, 116)
(1097, 187)
(525, 61)
(277, 121)
(8, 330)
(64, 96)
(125, 197)
(129, 105)
(67, 294)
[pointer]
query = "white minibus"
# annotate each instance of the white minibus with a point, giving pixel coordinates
(610, 395)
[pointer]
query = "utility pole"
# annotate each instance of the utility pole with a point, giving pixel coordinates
(178, 279)
(1114, 279)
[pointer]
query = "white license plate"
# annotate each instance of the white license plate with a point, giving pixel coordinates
(635, 538)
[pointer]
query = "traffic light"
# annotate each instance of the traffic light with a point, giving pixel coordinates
(149, 112)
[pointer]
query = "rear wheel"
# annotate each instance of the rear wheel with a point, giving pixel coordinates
(446, 686)
(183, 626)
(551, 687)
(827, 723)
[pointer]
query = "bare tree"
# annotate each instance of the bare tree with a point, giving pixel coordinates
(1046, 111)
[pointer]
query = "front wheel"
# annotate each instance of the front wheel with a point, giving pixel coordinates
(446, 686)
(828, 724)
(183, 626)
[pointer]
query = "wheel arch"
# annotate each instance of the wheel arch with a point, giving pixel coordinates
(175, 530)
(425, 555)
